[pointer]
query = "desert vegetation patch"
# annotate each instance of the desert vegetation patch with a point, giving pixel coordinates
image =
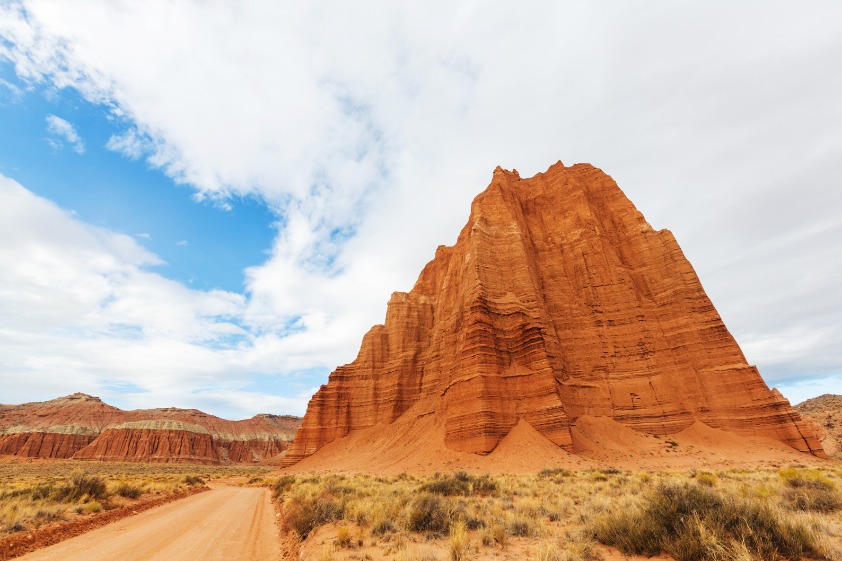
(565, 515)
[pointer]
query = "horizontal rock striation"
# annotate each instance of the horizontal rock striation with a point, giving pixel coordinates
(557, 301)
(83, 427)
(151, 445)
(38, 444)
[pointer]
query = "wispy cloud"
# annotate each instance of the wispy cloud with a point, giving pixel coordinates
(130, 144)
(65, 133)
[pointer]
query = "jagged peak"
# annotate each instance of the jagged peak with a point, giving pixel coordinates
(500, 173)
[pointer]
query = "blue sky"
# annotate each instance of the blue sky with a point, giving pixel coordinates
(213, 217)
(202, 243)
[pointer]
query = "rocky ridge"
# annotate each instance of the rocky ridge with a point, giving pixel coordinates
(824, 413)
(83, 427)
(557, 302)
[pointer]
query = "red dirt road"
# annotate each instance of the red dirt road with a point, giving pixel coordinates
(227, 523)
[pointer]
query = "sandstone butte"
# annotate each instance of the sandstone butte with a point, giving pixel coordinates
(83, 427)
(558, 304)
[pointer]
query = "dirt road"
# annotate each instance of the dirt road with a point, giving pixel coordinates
(228, 523)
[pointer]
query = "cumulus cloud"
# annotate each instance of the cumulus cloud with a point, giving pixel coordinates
(65, 132)
(80, 310)
(369, 129)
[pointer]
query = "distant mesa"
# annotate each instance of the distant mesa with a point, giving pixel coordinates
(561, 316)
(824, 414)
(81, 426)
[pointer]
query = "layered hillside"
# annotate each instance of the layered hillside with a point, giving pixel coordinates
(825, 414)
(558, 302)
(83, 427)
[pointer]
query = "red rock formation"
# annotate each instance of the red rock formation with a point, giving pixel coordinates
(151, 445)
(83, 427)
(557, 301)
(43, 444)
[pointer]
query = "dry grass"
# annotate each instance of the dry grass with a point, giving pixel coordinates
(43, 492)
(563, 515)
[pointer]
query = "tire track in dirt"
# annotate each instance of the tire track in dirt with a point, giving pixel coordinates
(227, 523)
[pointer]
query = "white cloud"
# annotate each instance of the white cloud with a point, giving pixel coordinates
(385, 120)
(81, 311)
(67, 132)
(130, 144)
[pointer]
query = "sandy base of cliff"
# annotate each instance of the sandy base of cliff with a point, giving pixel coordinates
(415, 444)
(608, 442)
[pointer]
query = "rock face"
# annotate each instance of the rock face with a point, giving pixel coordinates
(83, 427)
(557, 301)
(824, 413)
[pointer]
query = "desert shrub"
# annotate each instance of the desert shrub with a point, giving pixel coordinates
(458, 544)
(498, 531)
(804, 477)
(694, 523)
(127, 490)
(305, 512)
(486, 536)
(82, 486)
(429, 513)
(548, 551)
(448, 486)
(811, 490)
(282, 485)
(813, 499)
(48, 514)
(706, 478)
(521, 524)
(92, 507)
(382, 526)
(193, 480)
(461, 484)
(547, 473)
(337, 485)
(12, 527)
(580, 547)
(343, 537)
